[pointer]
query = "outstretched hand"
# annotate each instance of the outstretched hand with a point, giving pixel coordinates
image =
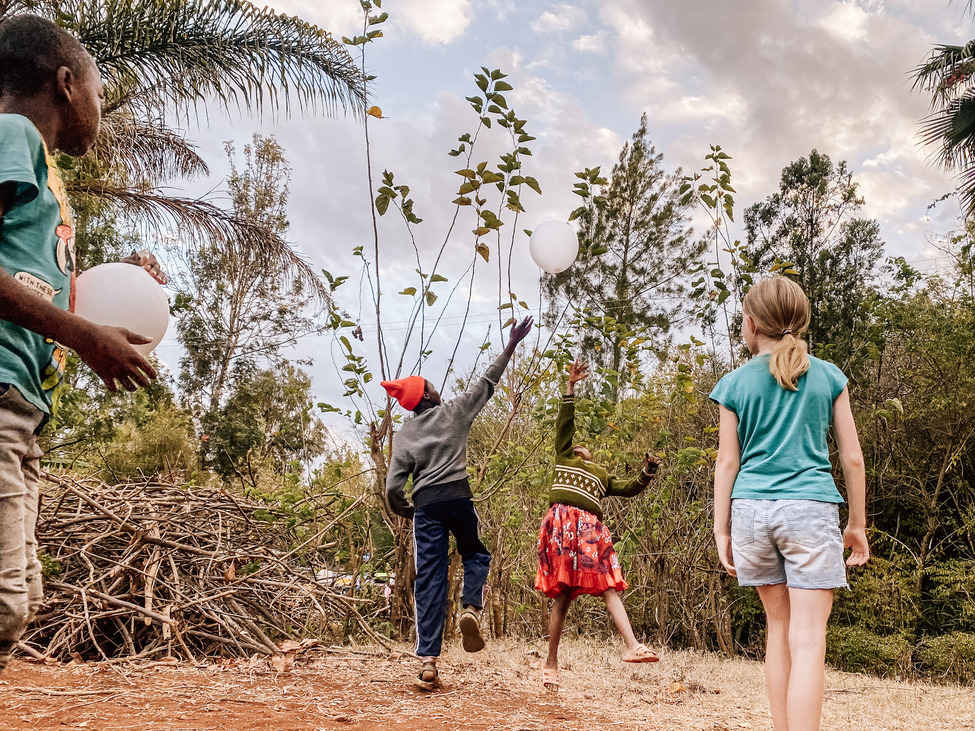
(520, 331)
(578, 369)
(650, 463)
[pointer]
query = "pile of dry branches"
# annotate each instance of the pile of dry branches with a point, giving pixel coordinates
(153, 568)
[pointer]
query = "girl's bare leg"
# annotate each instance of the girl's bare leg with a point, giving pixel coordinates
(556, 623)
(778, 657)
(810, 609)
(618, 612)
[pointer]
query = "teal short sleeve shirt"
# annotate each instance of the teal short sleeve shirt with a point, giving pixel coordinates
(782, 434)
(36, 249)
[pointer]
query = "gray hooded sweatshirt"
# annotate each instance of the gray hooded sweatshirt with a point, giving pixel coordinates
(432, 446)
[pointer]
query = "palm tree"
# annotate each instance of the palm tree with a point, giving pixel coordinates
(162, 59)
(949, 76)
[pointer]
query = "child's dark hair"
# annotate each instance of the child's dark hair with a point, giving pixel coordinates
(780, 310)
(31, 51)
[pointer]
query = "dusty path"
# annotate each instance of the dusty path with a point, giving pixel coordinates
(496, 689)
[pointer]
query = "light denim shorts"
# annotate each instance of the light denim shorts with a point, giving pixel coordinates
(793, 542)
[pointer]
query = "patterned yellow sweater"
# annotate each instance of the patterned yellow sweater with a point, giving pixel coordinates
(581, 483)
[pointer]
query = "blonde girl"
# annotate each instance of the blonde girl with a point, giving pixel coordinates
(776, 515)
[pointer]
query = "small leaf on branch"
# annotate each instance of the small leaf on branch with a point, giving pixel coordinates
(409, 291)
(485, 251)
(431, 298)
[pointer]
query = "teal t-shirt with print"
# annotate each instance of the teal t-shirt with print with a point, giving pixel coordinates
(782, 434)
(36, 249)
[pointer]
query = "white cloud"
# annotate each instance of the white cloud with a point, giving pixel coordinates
(595, 43)
(434, 21)
(769, 83)
(562, 18)
(847, 22)
(338, 18)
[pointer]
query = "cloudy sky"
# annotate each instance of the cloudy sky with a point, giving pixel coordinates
(768, 80)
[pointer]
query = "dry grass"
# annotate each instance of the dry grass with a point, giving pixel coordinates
(689, 691)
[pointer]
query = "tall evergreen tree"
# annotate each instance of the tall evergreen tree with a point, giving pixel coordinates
(812, 222)
(636, 248)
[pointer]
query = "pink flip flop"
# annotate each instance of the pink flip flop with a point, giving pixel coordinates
(641, 653)
(550, 680)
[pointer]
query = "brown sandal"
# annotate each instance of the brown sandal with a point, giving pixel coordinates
(429, 677)
(470, 630)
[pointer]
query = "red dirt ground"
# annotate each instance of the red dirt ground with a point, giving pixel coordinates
(362, 693)
(496, 690)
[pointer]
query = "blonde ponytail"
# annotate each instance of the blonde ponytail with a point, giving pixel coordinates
(788, 361)
(780, 310)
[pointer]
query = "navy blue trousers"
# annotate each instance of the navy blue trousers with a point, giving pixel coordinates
(432, 525)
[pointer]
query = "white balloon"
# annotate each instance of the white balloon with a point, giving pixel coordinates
(123, 295)
(554, 246)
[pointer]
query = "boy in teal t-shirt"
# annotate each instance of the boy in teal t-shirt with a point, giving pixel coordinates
(50, 99)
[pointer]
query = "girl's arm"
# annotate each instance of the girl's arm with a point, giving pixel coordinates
(851, 461)
(725, 472)
(631, 488)
(565, 422)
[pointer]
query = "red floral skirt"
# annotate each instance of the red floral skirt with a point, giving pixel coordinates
(575, 554)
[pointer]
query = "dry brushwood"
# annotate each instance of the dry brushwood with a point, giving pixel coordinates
(153, 568)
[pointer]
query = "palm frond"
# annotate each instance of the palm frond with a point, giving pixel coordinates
(13, 7)
(202, 222)
(948, 70)
(231, 51)
(952, 129)
(952, 133)
(145, 152)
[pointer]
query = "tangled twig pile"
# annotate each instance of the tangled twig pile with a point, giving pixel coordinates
(152, 568)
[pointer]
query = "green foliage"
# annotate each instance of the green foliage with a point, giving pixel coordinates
(121, 435)
(267, 422)
(950, 128)
(50, 567)
(859, 650)
(719, 285)
(164, 443)
(949, 657)
(164, 57)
